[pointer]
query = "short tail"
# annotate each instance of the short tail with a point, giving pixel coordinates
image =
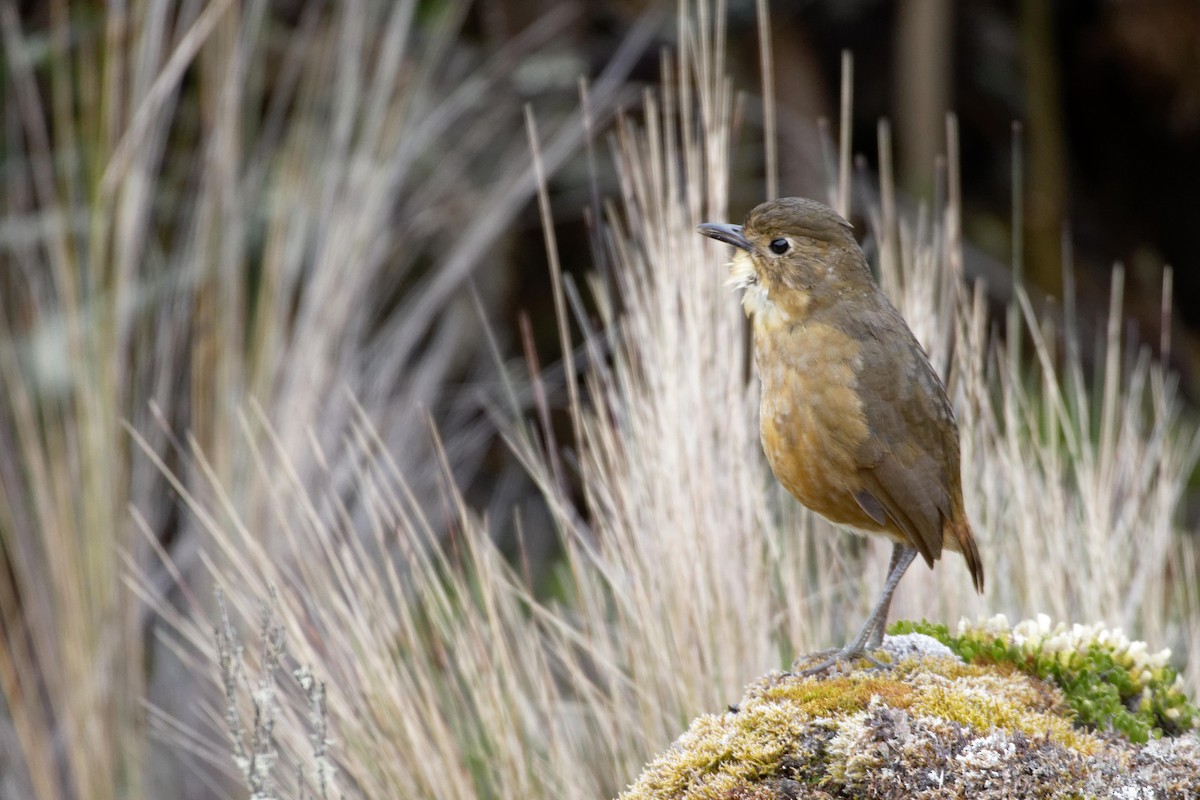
(960, 533)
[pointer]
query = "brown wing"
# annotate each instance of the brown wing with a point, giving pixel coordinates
(909, 465)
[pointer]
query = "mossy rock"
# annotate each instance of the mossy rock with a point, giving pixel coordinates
(932, 726)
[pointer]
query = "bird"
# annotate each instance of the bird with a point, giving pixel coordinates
(854, 420)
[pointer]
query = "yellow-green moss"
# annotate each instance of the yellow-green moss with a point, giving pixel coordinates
(841, 694)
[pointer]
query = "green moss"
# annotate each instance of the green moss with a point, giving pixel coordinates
(1109, 682)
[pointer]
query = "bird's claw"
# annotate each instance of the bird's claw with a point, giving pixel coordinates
(835, 657)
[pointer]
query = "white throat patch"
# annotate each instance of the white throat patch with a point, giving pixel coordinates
(755, 301)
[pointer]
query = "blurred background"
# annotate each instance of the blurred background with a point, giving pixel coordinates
(327, 212)
(1106, 96)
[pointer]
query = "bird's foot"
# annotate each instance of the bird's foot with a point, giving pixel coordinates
(832, 658)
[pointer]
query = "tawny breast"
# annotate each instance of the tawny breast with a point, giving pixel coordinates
(811, 417)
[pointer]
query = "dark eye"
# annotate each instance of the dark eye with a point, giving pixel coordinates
(778, 246)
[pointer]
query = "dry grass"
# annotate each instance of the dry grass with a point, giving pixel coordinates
(309, 474)
(200, 213)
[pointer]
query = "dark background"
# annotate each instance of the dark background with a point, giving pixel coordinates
(1106, 96)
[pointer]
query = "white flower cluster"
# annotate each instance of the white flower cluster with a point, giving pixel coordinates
(1046, 638)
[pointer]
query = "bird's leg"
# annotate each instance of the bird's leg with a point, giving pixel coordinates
(902, 558)
(872, 629)
(880, 614)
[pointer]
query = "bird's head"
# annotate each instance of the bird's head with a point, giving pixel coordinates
(790, 254)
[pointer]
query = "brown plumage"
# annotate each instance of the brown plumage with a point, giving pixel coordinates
(855, 421)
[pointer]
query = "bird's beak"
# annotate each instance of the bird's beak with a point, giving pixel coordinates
(724, 232)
